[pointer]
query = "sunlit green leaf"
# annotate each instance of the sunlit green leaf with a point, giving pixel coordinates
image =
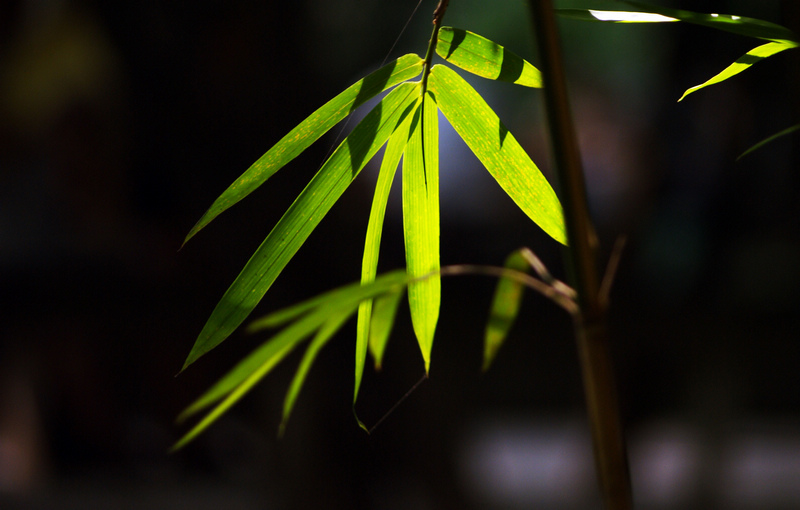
(421, 223)
(745, 61)
(769, 139)
(369, 265)
(505, 307)
(331, 326)
(740, 25)
(485, 58)
(302, 217)
(498, 150)
(236, 383)
(308, 131)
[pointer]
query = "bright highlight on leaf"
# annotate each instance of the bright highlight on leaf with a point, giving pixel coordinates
(310, 130)
(630, 17)
(485, 58)
(498, 150)
(745, 61)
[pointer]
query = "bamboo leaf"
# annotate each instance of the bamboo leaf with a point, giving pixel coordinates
(331, 326)
(421, 223)
(369, 265)
(769, 139)
(308, 131)
(740, 25)
(237, 382)
(384, 312)
(301, 218)
(485, 58)
(498, 150)
(505, 308)
(744, 62)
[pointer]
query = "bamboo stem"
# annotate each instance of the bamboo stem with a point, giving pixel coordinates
(591, 332)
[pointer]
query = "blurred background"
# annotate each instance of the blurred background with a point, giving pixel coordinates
(120, 123)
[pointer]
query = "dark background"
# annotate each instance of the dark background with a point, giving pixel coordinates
(121, 122)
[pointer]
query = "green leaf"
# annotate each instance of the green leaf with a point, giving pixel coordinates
(769, 139)
(505, 308)
(308, 131)
(740, 25)
(421, 223)
(302, 217)
(235, 384)
(331, 326)
(485, 58)
(498, 150)
(745, 61)
(369, 265)
(384, 312)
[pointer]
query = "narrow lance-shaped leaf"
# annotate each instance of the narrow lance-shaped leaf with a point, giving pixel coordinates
(505, 308)
(485, 58)
(744, 62)
(369, 265)
(324, 334)
(498, 150)
(769, 139)
(384, 312)
(236, 383)
(301, 218)
(740, 25)
(421, 223)
(308, 131)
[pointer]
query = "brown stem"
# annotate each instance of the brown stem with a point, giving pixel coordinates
(590, 323)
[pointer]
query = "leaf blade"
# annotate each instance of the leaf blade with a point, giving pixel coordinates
(742, 63)
(485, 58)
(301, 218)
(504, 309)
(769, 139)
(369, 264)
(421, 223)
(498, 150)
(308, 131)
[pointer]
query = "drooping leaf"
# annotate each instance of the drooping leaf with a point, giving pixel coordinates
(342, 302)
(485, 58)
(369, 264)
(745, 61)
(302, 217)
(740, 25)
(384, 312)
(308, 131)
(498, 150)
(331, 326)
(769, 139)
(421, 223)
(505, 308)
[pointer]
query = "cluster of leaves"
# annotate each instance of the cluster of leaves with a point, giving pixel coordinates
(780, 39)
(406, 121)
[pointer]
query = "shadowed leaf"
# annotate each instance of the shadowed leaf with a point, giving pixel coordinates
(485, 58)
(384, 312)
(498, 150)
(337, 305)
(504, 309)
(769, 139)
